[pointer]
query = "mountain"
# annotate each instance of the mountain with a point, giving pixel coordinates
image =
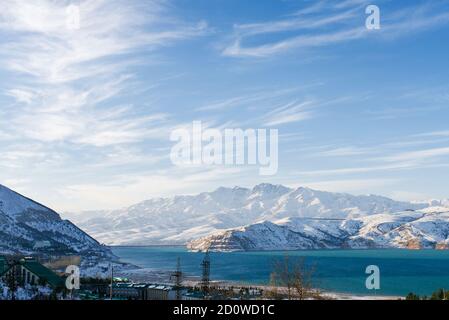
(422, 229)
(179, 219)
(437, 203)
(30, 228)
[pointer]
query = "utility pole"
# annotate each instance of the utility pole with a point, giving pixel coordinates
(112, 281)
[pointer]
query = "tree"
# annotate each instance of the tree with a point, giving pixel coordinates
(273, 292)
(440, 294)
(295, 277)
(412, 296)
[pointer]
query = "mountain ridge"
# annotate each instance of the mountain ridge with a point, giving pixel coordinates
(28, 227)
(423, 229)
(182, 218)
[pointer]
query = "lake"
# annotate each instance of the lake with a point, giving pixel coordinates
(401, 271)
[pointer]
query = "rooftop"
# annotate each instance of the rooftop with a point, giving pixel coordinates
(35, 267)
(143, 286)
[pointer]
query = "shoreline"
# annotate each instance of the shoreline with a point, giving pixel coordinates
(279, 250)
(163, 277)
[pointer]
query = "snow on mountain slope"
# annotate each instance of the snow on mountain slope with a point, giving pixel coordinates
(27, 227)
(13, 204)
(427, 228)
(438, 203)
(179, 219)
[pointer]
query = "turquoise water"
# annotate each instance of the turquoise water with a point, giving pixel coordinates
(402, 271)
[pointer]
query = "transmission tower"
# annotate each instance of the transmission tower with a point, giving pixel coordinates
(205, 279)
(177, 275)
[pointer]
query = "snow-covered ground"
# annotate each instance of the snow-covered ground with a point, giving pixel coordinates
(24, 293)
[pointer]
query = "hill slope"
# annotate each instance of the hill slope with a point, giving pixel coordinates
(30, 228)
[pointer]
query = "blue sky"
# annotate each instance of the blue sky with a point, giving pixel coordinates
(86, 113)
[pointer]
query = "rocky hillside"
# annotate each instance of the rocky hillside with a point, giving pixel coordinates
(422, 229)
(27, 227)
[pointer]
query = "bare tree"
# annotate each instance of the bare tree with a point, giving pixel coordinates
(273, 292)
(294, 277)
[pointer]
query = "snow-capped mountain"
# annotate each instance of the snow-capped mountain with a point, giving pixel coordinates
(179, 219)
(427, 228)
(27, 227)
(437, 203)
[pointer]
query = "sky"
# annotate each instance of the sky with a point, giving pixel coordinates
(87, 105)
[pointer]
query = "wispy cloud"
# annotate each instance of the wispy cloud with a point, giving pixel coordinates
(236, 50)
(64, 75)
(356, 170)
(128, 189)
(345, 151)
(327, 22)
(381, 159)
(249, 99)
(71, 110)
(291, 112)
(442, 133)
(48, 49)
(418, 155)
(356, 186)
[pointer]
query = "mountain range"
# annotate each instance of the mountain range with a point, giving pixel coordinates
(422, 229)
(268, 216)
(265, 217)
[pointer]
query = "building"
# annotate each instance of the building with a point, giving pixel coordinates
(131, 291)
(28, 271)
(160, 292)
(193, 295)
(143, 291)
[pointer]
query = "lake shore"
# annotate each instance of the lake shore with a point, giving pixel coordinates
(164, 277)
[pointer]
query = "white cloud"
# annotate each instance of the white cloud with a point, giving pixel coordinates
(65, 75)
(130, 189)
(356, 170)
(409, 196)
(305, 41)
(291, 112)
(345, 151)
(69, 113)
(46, 48)
(442, 133)
(384, 157)
(327, 23)
(249, 99)
(356, 186)
(418, 155)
